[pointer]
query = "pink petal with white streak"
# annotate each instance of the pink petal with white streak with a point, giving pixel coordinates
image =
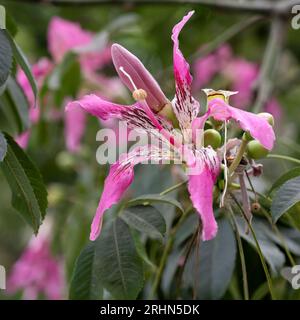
(120, 177)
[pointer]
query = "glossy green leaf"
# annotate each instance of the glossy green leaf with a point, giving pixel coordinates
(23, 62)
(29, 195)
(295, 172)
(285, 198)
(3, 146)
(212, 271)
(118, 263)
(145, 219)
(6, 55)
(273, 255)
(85, 283)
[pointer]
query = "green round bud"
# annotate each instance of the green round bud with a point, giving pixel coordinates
(212, 138)
(268, 117)
(255, 150)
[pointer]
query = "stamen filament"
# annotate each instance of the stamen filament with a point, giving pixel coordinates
(225, 166)
(129, 77)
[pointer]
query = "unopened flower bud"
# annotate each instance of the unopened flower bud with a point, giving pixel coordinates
(212, 138)
(255, 150)
(139, 94)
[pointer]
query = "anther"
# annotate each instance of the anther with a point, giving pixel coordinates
(139, 94)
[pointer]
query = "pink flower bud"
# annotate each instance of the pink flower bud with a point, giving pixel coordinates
(140, 76)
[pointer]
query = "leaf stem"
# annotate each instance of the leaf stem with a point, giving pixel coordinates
(282, 157)
(176, 186)
(242, 256)
(166, 251)
(262, 259)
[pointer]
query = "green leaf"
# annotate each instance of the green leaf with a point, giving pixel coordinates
(22, 61)
(263, 232)
(285, 198)
(145, 219)
(119, 266)
(13, 108)
(141, 250)
(213, 271)
(3, 146)
(85, 283)
(295, 172)
(29, 195)
(5, 57)
(2, 17)
(155, 198)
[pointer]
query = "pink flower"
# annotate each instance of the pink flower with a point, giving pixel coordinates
(37, 271)
(39, 70)
(242, 74)
(207, 67)
(203, 163)
(64, 36)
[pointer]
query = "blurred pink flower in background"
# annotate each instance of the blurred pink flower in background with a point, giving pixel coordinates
(274, 108)
(39, 70)
(37, 272)
(207, 67)
(241, 73)
(63, 36)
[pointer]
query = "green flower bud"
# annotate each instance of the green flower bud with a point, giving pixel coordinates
(212, 138)
(255, 150)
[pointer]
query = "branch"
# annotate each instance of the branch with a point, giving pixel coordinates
(266, 7)
(270, 63)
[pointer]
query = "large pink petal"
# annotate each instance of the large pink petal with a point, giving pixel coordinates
(258, 127)
(184, 105)
(200, 186)
(134, 115)
(120, 177)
